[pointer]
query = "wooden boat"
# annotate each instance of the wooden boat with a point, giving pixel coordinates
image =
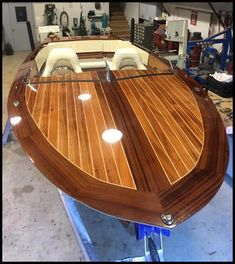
(171, 154)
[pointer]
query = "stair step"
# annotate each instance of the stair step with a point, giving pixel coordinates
(121, 24)
(125, 27)
(118, 22)
(122, 36)
(116, 13)
(114, 4)
(114, 9)
(113, 18)
(121, 30)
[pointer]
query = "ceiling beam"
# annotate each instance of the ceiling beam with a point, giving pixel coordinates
(162, 7)
(217, 15)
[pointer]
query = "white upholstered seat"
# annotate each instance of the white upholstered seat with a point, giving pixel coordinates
(61, 57)
(126, 58)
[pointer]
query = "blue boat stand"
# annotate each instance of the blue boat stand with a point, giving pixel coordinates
(6, 132)
(152, 252)
(144, 232)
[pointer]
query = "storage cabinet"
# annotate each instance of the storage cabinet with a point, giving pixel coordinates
(143, 35)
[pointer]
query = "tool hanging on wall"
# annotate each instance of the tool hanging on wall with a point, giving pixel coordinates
(97, 6)
(94, 30)
(82, 26)
(50, 14)
(64, 22)
(91, 17)
(75, 26)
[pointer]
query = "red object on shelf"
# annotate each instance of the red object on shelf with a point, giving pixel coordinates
(230, 67)
(195, 53)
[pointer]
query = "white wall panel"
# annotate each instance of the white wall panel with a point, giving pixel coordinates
(73, 9)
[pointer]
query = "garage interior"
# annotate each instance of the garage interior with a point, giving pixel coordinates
(42, 223)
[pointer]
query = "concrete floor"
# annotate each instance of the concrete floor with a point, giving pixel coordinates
(37, 228)
(35, 224)
(10, 64)
(206, 236)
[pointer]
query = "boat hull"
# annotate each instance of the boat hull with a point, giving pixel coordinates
(171, 160)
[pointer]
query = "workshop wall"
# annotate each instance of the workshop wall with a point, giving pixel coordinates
(131, 10)
(149, 11)
(138, 10)
(202, 23)
(6, 23)
(181, 10)
(73, 9)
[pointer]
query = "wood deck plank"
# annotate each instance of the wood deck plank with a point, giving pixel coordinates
(73, 139)
(31, 100)
(62, 135)
(170, 129)
(45, 116)
(94, 141)
(54, 112)
(187, 132)
(176, 118)
(86, 161)
(138, 143)
(170, 171)
(37, 108)
(117, 148)
(186, 101)
(105, 148)
(180, 151)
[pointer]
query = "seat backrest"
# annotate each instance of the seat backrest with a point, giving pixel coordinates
(126, 58)
(61, 57)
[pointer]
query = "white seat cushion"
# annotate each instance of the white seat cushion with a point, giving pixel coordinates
(126, 58)
(61, 57)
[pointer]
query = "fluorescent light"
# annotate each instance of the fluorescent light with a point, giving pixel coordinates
(112, 135)
(84, 97)
(15, 120)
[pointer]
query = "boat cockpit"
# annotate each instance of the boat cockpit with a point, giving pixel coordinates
(61, 58)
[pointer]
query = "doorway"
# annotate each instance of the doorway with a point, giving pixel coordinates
(15, 16)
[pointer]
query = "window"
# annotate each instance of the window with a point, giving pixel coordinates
(21, 15)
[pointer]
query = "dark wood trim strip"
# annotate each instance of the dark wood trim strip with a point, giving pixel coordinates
(136, 147)
(117, 148)
(74, 151)
(86, 160)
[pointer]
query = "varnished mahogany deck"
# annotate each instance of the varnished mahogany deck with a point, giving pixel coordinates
(171, 159)
(162, 109)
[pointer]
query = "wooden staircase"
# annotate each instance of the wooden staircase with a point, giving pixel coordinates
(118, 22)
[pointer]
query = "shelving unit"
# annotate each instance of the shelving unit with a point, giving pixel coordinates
(143, 35)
